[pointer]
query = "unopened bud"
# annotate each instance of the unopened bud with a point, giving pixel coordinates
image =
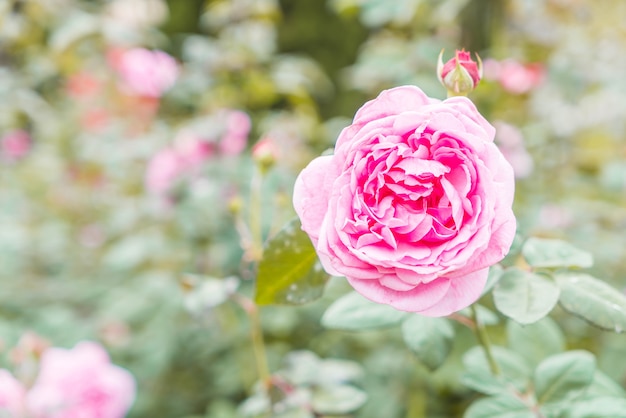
(265, 154)
(460, 74)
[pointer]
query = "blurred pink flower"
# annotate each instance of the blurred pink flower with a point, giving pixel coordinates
(511, 143)
(191, 149)
(80, 383)
(15, 145)
(235, 137)
(12, 395)
(265, 152)
(163, 170)
(83, 85)
(144, 72)
(513, 76)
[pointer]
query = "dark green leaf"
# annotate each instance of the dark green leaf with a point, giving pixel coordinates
(429, 338)
(289, 272)
(564, 376)
(536, 341)
(524, 296)
(499, 407)
(353, 312)
(513, 371)
(593, 300)
(554, 253)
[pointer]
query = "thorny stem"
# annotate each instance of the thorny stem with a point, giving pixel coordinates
(483, 339)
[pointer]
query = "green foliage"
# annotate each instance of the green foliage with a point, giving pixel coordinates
(289, 272)
(353, 312)
(563, 377)
(593, 300)
(514, 372)
(499, 407)
(554, 253)
(536, 341)
(430, 339)
(525, 297)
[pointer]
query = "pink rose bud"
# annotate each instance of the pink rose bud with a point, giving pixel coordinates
(265, 153)
(15, 145)
(460, 74)
(80, 382)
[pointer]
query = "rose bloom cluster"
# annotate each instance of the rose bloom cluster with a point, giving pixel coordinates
(415, 204)
(77, 383)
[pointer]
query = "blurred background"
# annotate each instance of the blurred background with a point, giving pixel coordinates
(132, 131)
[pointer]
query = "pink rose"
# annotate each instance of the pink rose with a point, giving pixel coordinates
(415, 204)
(144, 72)
(15, 145)
(513, 76)
(235, 137)
(80, 382)
(163, 170)
(12, 395)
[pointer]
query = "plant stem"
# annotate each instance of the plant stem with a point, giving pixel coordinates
(256, 227)
(256, 335)
(483, 339)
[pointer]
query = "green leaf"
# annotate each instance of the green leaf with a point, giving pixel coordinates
(563, 377)
(513, 371)
(499, 407)
(353, 312)
(603, 385)
(289, 272)
(495, 273)
(593, 300)
(601, 407)
(430, 339)
(537, 341)
(525, 297)
(208, 292)
(485, 315)
(337, 399)
(553, 253)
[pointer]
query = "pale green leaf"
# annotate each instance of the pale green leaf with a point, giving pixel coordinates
(554, 253)
(499, 407)
(430, 339)
(495, 273)
(289, 272)
(536, 341)
(593, 300)
(600, 407)
(513, 370)
(603, 385)
(353, 312)
(525, 297)
(338, 399)
(564, 376)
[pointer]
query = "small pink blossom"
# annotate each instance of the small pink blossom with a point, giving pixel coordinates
(83, 85)
(237, 129)
(144, 72)
(513, 76)
(12, 395)
(415, 204)
(265, 152)
(15, 145)
(80, 382)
